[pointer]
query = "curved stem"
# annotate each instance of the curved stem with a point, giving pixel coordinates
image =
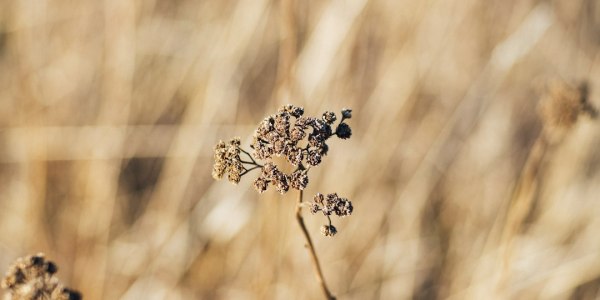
(311, 250)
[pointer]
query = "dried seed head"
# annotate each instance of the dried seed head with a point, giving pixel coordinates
(270, 171)
(295, 111)
(322, 129)
(329, 205)
(279, 135)
(314, 208)
(343, 207)
(281, 183)
(319, 199)
(260, 184)
(297, 133)
(343, 131)
(295, 156)
(262, 150)
(282, 124)
(304, 122)
(235, 171)
(328, 230)
(346, 113)
(329, 117)
(299, 179)
(560, 108)
(227, 160)
(314, 157)
(32, 277)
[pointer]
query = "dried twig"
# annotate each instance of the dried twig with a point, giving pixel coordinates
(311, 249)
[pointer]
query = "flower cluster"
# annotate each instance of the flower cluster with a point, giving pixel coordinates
(271, 174)
(298, 139)
(288, 133)
(227, 161)
(32, 278)
(282, 134)
(328, 205)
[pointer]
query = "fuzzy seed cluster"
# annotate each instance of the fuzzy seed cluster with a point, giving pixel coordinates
(32, 278)
(332, 204)
(227, 161)
(298, 138)
(302, 142)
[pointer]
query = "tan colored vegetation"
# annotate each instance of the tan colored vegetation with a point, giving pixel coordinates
(109, 112)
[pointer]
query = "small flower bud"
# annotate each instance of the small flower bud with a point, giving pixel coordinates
(329, 117)
(319, 198)
(299, 179)
(346, 113)
(343, 131)
(260, 184)
(328, 230)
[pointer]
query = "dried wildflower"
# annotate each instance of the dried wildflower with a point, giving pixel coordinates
(297, 133)
(299, 179)
(281, 183)
(295, 156)
(343, 131)
(302, 141)
(304, 122)
(346, 113)
(329, 117)
(332, 204)
(227, 160)
(295, 111)
(328, 230)
(260, 184)
(282, 124)
(313, 158)
(314, 208)
(319, 198)
(343, 207)
(32, 278)
(270, 171)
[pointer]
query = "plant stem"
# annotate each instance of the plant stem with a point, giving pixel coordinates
(246, 171)
(311, 250)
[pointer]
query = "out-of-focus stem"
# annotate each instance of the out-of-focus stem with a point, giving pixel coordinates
(311, 250)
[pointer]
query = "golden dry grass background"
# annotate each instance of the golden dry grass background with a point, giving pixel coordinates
(109, 111)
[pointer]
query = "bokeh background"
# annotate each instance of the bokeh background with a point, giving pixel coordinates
(109, 111)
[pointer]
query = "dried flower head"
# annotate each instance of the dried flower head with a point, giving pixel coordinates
(343, 131)
(301, 140)
(329, 117)
(32, 278)
(332, 204)
(346, 113)
(299, 179)
(227, 160)
(561, 107)
(328, 230)
(261, 184)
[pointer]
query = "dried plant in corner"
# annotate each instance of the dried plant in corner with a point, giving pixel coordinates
(302, 141)
(32, 278)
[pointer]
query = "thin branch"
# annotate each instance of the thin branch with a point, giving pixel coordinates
(248, 170)
(249, 156)
(248, 162)
(311, 248)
